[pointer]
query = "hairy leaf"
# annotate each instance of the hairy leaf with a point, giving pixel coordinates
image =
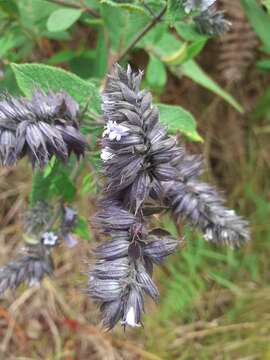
(30, 76)
(178, 119)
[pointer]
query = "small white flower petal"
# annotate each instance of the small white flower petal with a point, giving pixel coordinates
(115, 131)
(106, 154)
(208, 235)
(49, 238)
(130, 318)
(32, 282)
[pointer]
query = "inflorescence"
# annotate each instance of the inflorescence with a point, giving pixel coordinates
(45, 126)
(142, 165)
(42, 127)
(35, 260)
(209, 21)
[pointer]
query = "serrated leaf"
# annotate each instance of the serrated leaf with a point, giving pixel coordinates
(63, 19)
(156, 75)
(30, 76)
(179, 119)
(62, 185)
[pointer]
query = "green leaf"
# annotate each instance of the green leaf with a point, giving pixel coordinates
(175, 12)
(179, 119)
(177, 57)
(53, 180)
(188, 31)
(10, 7)
(168, 47)
(259, 20)
(30, 76)
(40, 187)
(195, 48)
(61, 56)
(263, 106)
(267, 5)
(100, 66)
(156, 75)
(165, 45)
(63, 19)
(7, 42)
(122, 25)
(82, 228)
(192, 70)
(63, 186)
(263, 64)
(127, 6)
(49, 167)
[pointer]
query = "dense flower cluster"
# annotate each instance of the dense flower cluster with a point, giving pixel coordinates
(42, 127)
(212, 22)
(141, 163)
(122, 273)
(36, 262)
(30, 268)
(209, 21)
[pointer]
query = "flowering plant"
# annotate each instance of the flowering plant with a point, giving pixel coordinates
(146, 171)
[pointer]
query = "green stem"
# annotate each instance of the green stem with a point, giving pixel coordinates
(144, 31)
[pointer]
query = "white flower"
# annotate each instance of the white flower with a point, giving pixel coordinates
(49, 238)
(33, 282)
(202, 5)
(106, 154)
(208, 234)
(130, 318)
(115, 131)
(225, 234)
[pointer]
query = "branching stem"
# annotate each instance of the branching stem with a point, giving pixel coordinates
(141, 34)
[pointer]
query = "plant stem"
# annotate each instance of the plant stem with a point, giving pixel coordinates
(83, 6)
(144, 31)
(75, 173)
